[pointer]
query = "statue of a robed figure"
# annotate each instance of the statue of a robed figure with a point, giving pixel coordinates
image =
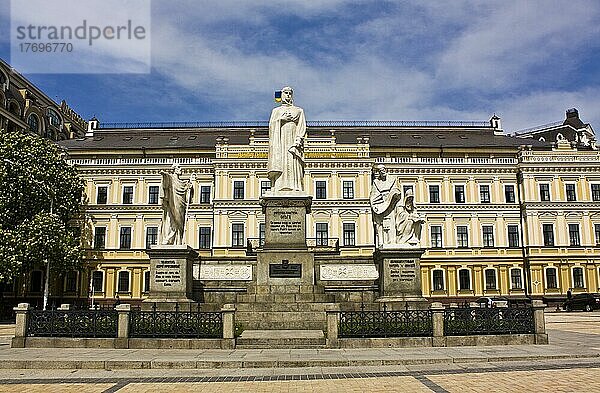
(177, 195)
(287, 130)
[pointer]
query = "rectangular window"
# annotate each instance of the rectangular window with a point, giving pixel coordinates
(321, 189)
(551, 279)
(153, 195)
(237, 235)
(464, 279)
(459, 194)
(406, 188)
(127, 195)
(102, 196)
(151, 236)
(513, 236)
(438, 280)
(516, 281)
(434, 193)
(596, 192)
(597, 233)
(548, 232)
(490, 279)
(349, 234)
(238, 189)
(578, 277)
(99, 238)
(484, 193)
(98, 281)
(204, 240)
(265, 186)
(570, 191)
(462, 237)
(204, 194)
(436, 236)
(125, 238)
(574, 235)
(348, 189)
(322, 233)
(488, 235)
(261, 233)
(544, 192)
(123, 282)
(509, 193)
(71, 282)
(146, 281)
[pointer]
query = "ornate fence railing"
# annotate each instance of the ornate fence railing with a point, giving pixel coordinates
(96, 323)
(175, 324)
(475, 321)
(408, 323)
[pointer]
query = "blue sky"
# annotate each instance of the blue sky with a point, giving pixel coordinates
(527, 61)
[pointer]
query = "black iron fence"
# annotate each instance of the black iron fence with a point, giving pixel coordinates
(407, 323)
(175, 324)
(475, 321)
(97, 323)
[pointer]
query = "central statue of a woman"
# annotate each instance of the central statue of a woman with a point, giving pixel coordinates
(287, 130)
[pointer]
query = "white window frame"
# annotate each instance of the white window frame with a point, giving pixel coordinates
(107, 185)
(144, 289)
(546, 278)
(591, 192)
(210, 194)
(132, 238)
(326, 180)
(510, 269)
(233, 180)
(489, 186)
(342, 180)
(553, 233)
(573, 277)
(429, 193)
(494, 238)
(231, 233)
(441, 234)
(485, 278)
(105, 226)
(123, 185)
(539, 187)
(411, 185)
(518, 234)
(260, 181)
(76, 282)
(469, 238)
(148, 193)
(443, 279)
(470, 278)
(117, 283)
(146, 233)
(514, 190)
(578, 233)
(454, 185)
(355, 233)
(575, 189)
(103, 282)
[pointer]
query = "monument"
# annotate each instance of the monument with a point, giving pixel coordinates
(398, 235)
(171, 261)
(285, 259)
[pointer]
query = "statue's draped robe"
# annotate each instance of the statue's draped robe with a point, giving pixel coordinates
(408, 225)
(384, 198)
(176, 194)
(286, 162)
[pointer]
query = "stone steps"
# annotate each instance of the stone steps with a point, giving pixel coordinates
(268, 320)
(286, 298)
(281, 339)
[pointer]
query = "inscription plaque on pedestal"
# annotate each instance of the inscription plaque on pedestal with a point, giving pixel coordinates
(400, 275)
(171, 273)
(285, 221)
(285, 270)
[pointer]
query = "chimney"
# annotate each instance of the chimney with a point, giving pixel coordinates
(92, 125)
(573, 119)
(496, 124)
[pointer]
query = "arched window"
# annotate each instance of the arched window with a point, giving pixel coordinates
(53, 118)
(34, 123)
(2, 78)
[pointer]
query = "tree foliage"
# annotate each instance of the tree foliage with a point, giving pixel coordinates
(39, 193)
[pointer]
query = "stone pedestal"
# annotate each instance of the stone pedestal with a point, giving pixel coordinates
(171, 275)
(285, 259)
(400, 277)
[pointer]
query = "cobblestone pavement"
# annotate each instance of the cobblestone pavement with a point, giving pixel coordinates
(577, 334)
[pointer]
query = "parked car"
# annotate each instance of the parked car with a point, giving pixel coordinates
(486, 301)
(583, 301)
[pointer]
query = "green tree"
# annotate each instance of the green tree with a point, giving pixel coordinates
(39, 194)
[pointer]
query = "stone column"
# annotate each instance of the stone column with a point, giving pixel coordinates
(333, 321)
(228, 313)
(22, 311)
(437, 310)
(122, 341)
(539, 322)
